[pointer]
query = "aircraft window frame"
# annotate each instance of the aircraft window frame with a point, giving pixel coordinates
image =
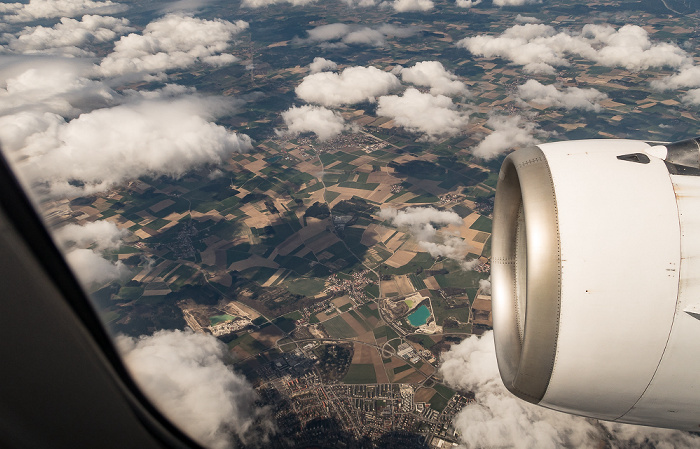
(22, 215)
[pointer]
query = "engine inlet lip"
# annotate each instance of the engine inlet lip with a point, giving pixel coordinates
(526, 346)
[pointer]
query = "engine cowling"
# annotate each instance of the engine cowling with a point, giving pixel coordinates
(596, 279)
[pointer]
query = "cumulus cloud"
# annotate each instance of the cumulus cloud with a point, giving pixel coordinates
(499, 419)
(186, 376)
(68, 36)
(423, 224)
(108, 146)
(412, 5)
(467, 3)
(420, 220)
(508, 133)
(432, 115)
(688, 76)
(539, 48)
(353, 85)
(568, 98)
(91, 268)
(175, 41)
(42, 9)
(321, 65)
(335, 35)
(433, 74)
(100, 234)
(323, 122)
(47, 84)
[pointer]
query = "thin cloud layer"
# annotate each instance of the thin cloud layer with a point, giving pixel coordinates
(339, 35)
(431, 115)
(67, 37)
(186, 377)
(175, 41)
(108, 146)
(568, 98)
(263, 3)
(508, 133)
(353, 85)
(499, 419)
(43, 9)
(323, 122)
(434, 75)
(539, 48)
(92, 269)
(100, 234)
(502, 3)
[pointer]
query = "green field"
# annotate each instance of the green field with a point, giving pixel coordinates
(401, 369)
(338, 328)
(296, 315)
(367, 312)
(214, 320)
(416, 281)
(373, 290)
(248, 343)
(345, 308)
(359, 319)
(361, 374)
(385, 331)
(422, 339)
(482, 224)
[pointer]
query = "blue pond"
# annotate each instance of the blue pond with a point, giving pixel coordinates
(419, 317)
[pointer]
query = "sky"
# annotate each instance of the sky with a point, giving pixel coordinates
(89, 102)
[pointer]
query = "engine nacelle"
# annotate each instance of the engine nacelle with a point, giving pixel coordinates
(596, 279)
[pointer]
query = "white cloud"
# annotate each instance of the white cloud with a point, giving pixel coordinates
(316, 119)
(434, 116)
(352, 85)
(329, 32)
(102, 234)
(432, 74)
(263, 3)
(525, 19)
(91, 268)
(175, 41)
(108, 146)
(688, 76)
(68, 36)
(499, 419)
(539, 48)
(420, 222)
(569, 98)
(42, 9)
(390, 30)
(467, 3)
(321, 65)
(691, 97)
(365, 36)
(412, 5)
(508, 133)
(341, 34)
(186, 377)
(46, 84)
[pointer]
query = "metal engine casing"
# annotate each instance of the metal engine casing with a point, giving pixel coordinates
(596, 280)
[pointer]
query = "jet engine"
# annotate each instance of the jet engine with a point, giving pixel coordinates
(596, 279)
